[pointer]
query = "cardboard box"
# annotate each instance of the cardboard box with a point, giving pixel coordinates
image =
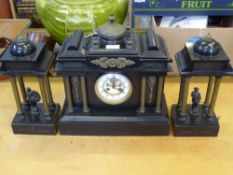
(182, 7)
(176, 38)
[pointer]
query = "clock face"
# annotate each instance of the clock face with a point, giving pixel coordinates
(113, 89)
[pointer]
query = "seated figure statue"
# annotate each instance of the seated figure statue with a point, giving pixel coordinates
(33, 98)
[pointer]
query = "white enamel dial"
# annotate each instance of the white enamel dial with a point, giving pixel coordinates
(113, 89)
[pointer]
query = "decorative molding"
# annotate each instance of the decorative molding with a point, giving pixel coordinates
(151, 83)
(119, 63)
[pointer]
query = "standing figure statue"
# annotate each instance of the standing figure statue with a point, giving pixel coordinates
(196, 98)
(33, 98)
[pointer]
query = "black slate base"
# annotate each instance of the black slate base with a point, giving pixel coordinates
(44, 125)
(199, 125)
(115, 122)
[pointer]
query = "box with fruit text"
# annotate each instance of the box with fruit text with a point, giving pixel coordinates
(183, 7)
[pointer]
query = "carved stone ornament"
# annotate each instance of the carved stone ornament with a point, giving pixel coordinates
(119, 63)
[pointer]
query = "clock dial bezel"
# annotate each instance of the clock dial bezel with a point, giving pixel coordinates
(113, 101)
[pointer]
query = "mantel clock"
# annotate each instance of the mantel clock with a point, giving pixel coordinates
(114, 82)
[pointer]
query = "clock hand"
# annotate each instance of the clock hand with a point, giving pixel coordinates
(120, 89)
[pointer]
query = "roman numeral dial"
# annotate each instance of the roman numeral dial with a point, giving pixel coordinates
(113, 89)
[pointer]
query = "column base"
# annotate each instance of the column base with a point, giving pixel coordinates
(194, 125)
(42, 125)
(120, 122)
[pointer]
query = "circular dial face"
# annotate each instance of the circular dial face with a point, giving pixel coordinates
(113, 89)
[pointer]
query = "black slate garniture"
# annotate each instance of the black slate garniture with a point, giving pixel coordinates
(205, 57)
(114, 82)
(24, 58)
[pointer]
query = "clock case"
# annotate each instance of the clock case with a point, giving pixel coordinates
(141, 57)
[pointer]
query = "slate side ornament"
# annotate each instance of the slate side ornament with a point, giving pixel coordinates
(37, 113)
(119, 63)
(203, 57)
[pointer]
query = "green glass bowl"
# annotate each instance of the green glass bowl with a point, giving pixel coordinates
(62, 17)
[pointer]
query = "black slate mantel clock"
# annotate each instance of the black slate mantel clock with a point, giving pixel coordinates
(114, 82)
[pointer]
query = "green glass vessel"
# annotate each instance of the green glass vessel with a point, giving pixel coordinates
(62, 17)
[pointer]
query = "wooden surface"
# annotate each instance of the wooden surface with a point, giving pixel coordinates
(88, 155)
(10, 28)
